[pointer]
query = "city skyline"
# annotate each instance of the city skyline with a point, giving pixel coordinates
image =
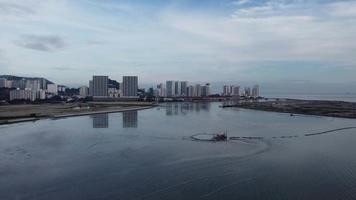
(207, 41)
(101, 87)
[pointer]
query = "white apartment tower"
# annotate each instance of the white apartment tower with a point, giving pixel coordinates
(170, 88)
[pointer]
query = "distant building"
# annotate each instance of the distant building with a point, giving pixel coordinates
(113, 92)
(2, 82)
(91, 88)
(129, 86)
(197, 90)
(247, 92)
(43, 83)
(61, 88)
(226, 90)
(24, 95)
(84, 91)
(177, 89)
(170, 88)
(205, 90)
(42, 94)
(161, 90)
(21, 84)
(183, 88)
(190, 91)
(100, 86)
(235, 91)
(256, 91)
(52, 88)
(8, 83)
(34, 85)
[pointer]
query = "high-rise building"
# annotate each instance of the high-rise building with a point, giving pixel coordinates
(34, 84)
(2, 82)
(226, 90)
(100, 86)
(21, 84)
(197, 89)
(91, 88)
(8, 83)
(205, 90)
(43, 83)
(177, 89)
(24, 95)
(190, 91)
(84, 91)
(129, 86)
(183, 88)
(236, 91)
(161, 90)
(247, 92)
(256, 91)
(170, 88)
(42, 94)
(52, 88)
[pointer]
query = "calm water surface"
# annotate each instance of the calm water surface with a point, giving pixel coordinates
(148, 155)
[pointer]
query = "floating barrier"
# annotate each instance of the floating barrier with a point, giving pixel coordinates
(212, 137)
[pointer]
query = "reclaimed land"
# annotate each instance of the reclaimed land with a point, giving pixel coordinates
(31, 112)
(307, 107)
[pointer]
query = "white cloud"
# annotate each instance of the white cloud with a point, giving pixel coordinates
(342, 9)
(241, 2)
(274, 32)
(175, 42)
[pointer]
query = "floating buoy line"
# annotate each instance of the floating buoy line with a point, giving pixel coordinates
(224, 137)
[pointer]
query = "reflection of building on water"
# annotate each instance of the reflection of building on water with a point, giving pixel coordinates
(183, 108)
(129, 119)
(101, 120)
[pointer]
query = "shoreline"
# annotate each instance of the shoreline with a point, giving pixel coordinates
(63, 111)
(324, 108)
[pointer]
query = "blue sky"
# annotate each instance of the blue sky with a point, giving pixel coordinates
(247, 41)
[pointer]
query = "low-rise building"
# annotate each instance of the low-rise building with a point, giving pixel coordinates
(52, 88)
(84, 91)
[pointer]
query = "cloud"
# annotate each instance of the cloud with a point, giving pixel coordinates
(241, 2)
(10, 8)
(275, 31)
(41, 42)
(179, 39)
(342, 9)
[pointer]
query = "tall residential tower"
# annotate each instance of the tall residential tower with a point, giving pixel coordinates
(129, 86)
(100, 86)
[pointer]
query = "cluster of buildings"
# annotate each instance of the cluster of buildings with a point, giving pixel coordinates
(103, 87)
(40, 88)
(182, 89)
(232, 90)
(30, 88)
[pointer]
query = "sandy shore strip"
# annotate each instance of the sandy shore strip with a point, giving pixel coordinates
(29, 112)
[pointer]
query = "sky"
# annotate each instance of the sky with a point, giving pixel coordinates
(274, 43)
